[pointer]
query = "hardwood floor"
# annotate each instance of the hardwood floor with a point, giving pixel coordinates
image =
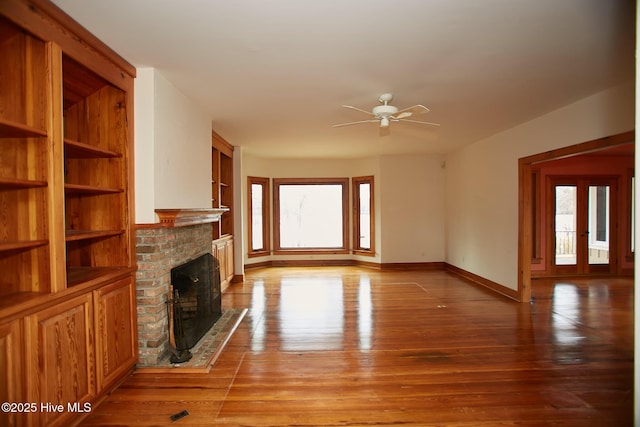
(337, 346)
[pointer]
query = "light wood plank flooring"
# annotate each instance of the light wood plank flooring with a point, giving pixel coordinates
(344, 346)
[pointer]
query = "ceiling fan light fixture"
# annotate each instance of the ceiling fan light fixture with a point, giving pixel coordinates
(384, 122)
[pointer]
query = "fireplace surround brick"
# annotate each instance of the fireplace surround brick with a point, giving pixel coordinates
(159, 249)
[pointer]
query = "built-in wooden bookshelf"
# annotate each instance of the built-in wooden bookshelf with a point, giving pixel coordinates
(24, 165)
(95, 141)
(222, 184)
(222, 197)
(67, 252)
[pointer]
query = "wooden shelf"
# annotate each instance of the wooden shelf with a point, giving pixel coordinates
(77, 235)
(89, 189)
(79, 150)
(19, 245)
(11, 129)
(11, 183)
(15, 302)
(81, 275)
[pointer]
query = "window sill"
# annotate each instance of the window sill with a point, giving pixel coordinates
(364, 253)
(258, 253)
(311, 251)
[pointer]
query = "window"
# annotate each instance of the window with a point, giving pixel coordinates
(258, 208)
(363, 229)
(310, 215)
(599, 216)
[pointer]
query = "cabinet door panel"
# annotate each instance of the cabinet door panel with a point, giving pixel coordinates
(116, 350)
(222, 259)
(11, 371)
(61, 368)
(230, 270)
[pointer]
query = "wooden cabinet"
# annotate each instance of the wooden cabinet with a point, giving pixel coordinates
(12, 371)
(115, 331)
(230, 268)
(222, 197)
(67, 243)
(60, 358)
(223, 251)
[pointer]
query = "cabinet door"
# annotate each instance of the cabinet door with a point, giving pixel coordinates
(61, 361)
(116, 342)
(230, 270)
(222, 255)
(11, 371)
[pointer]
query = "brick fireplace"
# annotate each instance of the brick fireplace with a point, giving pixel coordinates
(180, 236)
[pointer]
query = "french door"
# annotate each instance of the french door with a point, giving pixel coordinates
(583, 234)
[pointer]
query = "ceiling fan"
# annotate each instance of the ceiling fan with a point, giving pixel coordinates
(385, 113)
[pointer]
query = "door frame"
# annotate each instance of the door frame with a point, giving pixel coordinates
(582, 183)
(526, 199)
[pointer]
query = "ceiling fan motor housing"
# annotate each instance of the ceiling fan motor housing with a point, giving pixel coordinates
(384, 111)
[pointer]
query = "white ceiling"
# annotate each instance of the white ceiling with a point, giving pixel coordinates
(273, 74)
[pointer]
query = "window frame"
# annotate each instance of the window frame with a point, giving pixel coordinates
(277, 182)
(355, 183)
(266, 240)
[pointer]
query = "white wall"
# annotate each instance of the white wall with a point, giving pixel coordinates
(172, 146)
(482, 180)
(144, 114)
(182, 150)
(412, 208)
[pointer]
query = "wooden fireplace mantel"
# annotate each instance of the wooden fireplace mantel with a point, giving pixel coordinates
(184, 217)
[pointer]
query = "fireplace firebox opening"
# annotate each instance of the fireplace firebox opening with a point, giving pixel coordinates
(194, 304)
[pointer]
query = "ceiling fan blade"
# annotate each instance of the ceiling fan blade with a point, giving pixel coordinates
(359, 109)
(410, 111)
(422, 123)
(355, 123)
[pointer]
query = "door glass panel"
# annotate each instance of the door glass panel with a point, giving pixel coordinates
(565, 229)
(598, 231)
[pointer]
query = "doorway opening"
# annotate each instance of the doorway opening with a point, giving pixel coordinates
(574, 215)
